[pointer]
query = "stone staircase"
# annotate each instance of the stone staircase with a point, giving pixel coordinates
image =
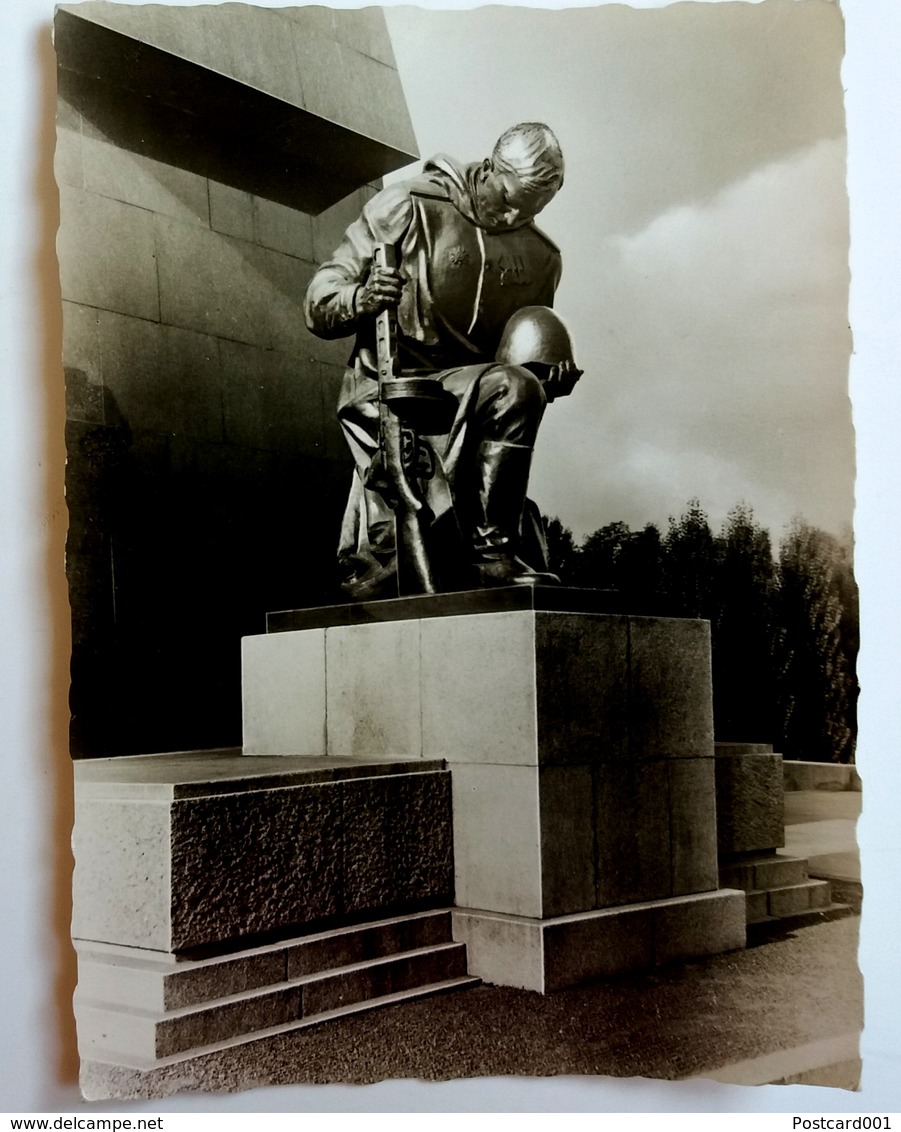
(778, 889)
(145, 1009)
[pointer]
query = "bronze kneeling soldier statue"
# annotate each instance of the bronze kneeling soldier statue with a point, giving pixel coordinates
(447, 284)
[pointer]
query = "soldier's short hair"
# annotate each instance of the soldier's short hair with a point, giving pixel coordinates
(532, 151)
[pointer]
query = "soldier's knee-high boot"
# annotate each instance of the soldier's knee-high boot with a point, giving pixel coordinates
(502, 481)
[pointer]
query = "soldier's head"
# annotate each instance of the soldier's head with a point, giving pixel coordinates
(522, 175)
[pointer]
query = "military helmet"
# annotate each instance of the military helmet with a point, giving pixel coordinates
(535, 336)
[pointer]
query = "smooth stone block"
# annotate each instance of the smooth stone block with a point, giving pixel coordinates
(796, 898)
(372, 682)
(670, 694)
(585, 948)
(386, 976)
(633, 845)
(478, 688)
(283, 694)
(106, 254)
(544, 955)
(692, 804)
(582, 680)
(507, 951)
(567, 839)
(705, 924)
(139, 983)
(749, 802)
(344, 947)
(497, 838)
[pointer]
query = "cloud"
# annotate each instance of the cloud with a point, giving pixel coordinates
(716, 345)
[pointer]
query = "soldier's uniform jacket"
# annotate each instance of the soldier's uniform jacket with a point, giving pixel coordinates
(462, 284)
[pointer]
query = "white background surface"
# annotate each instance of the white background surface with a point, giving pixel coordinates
(37, 1066)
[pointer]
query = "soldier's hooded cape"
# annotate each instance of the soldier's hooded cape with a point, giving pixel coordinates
(462, 283)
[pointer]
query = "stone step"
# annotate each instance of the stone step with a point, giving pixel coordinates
(788, 900)
(118, 976)
(757, 873)
(149, 1036)
(114, 1057)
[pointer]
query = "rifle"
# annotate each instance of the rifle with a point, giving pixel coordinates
(399, 448)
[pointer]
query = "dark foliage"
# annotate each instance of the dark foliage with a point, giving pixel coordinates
(784, 632)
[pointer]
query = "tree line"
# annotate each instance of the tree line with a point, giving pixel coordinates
(784, 627)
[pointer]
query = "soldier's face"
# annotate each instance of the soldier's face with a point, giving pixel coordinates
(502, 201)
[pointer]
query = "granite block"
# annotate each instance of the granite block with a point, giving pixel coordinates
(632, 830)
(795, 898)
(756, 906)
(691, 926)
(136, 179)
(249, 863)
(231, 211)
(107, 254)
(123, 870)
(692, 805)
(567, 839)
(737, 876)
(201, 1026)
(271, 400)
(497, 838)
(162, 379)
(478, 688)
(670, 694)
(283, 694)
(505, 950)
(397, 847)
(582, 680)
(68, 165)
(351, 945)
(387, 976)
(283, 229)
(749, 802)
(124, 981)
(596, 947)
(372, 678)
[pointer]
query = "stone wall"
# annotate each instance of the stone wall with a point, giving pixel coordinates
(206, 472)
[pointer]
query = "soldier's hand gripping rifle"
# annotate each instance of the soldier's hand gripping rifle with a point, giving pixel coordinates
(399, 444)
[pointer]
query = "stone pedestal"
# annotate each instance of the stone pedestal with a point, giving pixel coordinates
(581, 749)
(185, 852)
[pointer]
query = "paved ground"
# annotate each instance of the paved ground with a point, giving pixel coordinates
(785, 995)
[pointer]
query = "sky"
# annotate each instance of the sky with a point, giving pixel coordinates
(704, 231)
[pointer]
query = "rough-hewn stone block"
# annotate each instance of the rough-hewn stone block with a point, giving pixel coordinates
(749, 802)
(398, 842)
